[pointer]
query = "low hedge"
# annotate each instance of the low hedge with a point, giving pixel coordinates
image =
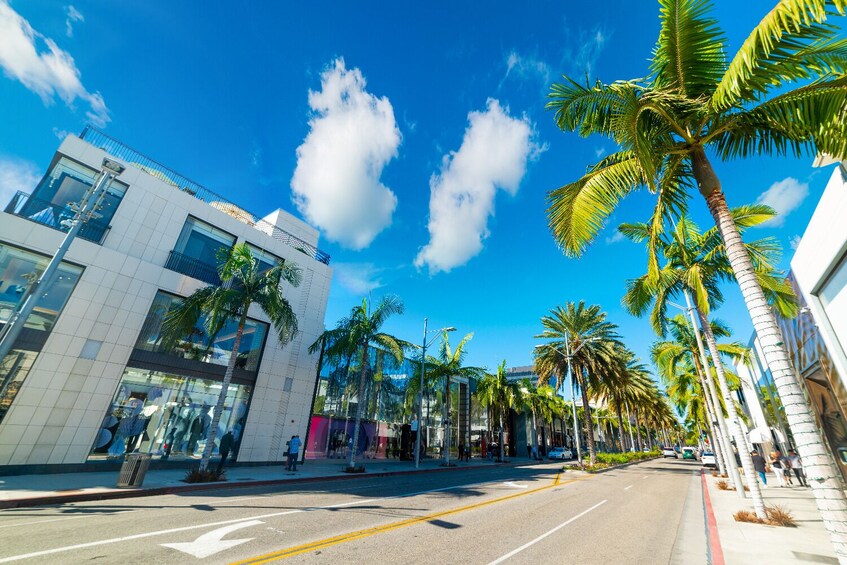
(628, 457)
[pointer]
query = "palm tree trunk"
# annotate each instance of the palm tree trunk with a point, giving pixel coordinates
(620, 425)
(534, 433)
(219, 406)
(824, 477)
(592, 451)
(629, 424)
(638, 430)
(447, 422)
(710, 411)
(351, 457)
(734, 425)
(502, 436)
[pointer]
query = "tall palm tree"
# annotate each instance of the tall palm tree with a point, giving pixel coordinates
(440, 369)
(584, 333)
(694, 101)
(244, 282)
(627, 380)
(499, 395)
(360, 330)
(695, 265)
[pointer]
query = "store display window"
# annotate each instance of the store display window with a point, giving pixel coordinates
(168, 416)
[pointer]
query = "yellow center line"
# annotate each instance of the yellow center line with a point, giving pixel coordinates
(367, 532)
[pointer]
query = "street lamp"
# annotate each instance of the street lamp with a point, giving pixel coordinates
(85, 210)
(568, 355)
(424, 345)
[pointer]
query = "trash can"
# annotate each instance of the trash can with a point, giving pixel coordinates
(133, 469)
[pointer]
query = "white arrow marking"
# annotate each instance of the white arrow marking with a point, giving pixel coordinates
(514, 484)
(211, 543)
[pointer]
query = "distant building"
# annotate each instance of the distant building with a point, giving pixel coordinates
(89, 379)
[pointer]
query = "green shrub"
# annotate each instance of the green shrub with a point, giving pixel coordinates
(195, 475)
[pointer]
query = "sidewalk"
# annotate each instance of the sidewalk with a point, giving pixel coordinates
(36, 490)
(755, 543)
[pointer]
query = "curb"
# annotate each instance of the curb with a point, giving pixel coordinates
(158, 491)
(713, 539)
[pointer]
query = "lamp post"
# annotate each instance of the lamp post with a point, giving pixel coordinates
(85, 210)
(424, 345)
(568, 355)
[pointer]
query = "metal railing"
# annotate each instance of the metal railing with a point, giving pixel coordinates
(192, 267)
(56, 217)
(122, 151)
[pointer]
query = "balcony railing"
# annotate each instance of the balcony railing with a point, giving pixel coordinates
(57, 217)
(193, 268)
(121, 151)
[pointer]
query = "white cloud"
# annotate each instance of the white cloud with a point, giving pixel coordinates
(73, 16)
(616, 237)
(784, 197)
(47, 72)
(599, 152)
(16, 174)
(61, 133)
(494, 154)
(358, 278)
(794, 242)
(527, 67)
(336, 184)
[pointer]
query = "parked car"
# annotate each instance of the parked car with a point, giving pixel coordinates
(668, 452)
(708, 459)
(689, 453)
(560, 453)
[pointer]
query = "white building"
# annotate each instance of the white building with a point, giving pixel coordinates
(89, 378)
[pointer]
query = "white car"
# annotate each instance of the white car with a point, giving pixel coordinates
(708, 459)
(668, 452)
(560, 453)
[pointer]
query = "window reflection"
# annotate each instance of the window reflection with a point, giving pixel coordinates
(168, 415)
(14, 369)
(199, 346)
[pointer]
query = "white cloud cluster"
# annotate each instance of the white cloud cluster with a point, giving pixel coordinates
(358, 278)
(73, 16)
(527, 66)
(47, 72)
(494, 154)
(336, 184)
(784, 197)
(15, 175)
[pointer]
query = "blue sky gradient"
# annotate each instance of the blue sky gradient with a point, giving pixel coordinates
(222, 95)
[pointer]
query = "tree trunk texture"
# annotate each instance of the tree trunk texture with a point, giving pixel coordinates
(820, 469)
(351, 457)
(592, 451)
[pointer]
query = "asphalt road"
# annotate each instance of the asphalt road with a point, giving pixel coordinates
(529, 514)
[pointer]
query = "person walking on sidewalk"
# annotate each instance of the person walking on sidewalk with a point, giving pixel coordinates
(778, 470)
(759, 465)
(797, 466)
(293, 452)
(224, 448)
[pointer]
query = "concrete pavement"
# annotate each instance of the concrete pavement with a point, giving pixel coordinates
(486, 514)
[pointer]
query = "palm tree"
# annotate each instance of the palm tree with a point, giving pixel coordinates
(583, 334)
(442, 368)
(695, 101)
(359, 331)
(626, 381)
(244, 282)
(695, 265)
(500, 395)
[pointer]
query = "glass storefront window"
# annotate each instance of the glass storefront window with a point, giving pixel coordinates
(198, 345)
(168, 416)
(833, 297)
(14, 368)
(202, 242)
(266, 260)
(18, 268)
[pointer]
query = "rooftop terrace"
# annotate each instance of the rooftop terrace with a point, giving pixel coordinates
(122, 151)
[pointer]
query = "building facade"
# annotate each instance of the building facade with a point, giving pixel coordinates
(89, 378)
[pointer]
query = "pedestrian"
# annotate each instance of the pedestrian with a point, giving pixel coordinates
(529, 450)
(759, 465)
(224, 448)
(797, 466)
(461, 450)
(778, 470)
(293, 452)
(468, 453)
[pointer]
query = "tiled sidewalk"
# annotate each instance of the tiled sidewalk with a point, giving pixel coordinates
(755, 543)
(29, 490)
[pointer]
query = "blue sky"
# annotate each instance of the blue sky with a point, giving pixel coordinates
(372, 123)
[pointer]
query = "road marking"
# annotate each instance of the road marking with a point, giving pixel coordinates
(646, 477)
(544, 535)
(211, 543)
(352, 536)
(627, 488)
(511, 484)
(221, 523)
